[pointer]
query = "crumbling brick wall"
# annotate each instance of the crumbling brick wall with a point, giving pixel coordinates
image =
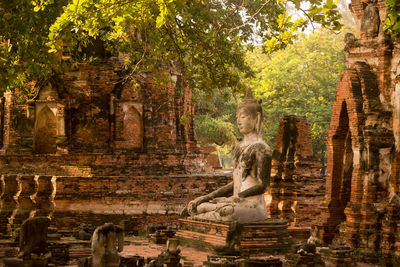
(93, 109)
(70, 201)
(111, 147)
(361, 206)
(297, 185)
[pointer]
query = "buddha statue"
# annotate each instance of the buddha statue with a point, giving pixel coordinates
(243, 199)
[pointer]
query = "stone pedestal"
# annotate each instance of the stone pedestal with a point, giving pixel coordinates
(337, 256)
(295, 260)
(266, 237)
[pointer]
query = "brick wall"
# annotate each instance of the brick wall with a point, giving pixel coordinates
(116, 148)
(297, 186)
(361, 203)
(95, 110)
(70, 201)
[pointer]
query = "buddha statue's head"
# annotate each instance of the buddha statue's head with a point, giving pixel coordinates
(249, 115)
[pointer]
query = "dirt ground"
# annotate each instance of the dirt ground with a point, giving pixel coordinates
(190, 257)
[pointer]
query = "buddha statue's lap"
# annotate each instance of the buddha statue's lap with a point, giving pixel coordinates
(245, 211)
(243, 199)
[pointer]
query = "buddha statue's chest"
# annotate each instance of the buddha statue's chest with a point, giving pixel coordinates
(248, 158)
(243, 174)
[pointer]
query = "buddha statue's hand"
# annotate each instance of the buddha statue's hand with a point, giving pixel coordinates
(184, 212)
(191, 207)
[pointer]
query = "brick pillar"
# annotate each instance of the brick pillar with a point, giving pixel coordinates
(293, 173)
(397, 240)
(288, 194)
(389, 229)
(61, 132)
(370, 222)
(273, 193)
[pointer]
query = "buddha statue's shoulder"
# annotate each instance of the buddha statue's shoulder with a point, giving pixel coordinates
(259, 146)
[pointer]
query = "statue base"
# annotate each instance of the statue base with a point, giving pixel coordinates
(266, 237)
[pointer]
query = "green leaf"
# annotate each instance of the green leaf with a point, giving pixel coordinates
(159, 21)
(297, 3)
(329, 3)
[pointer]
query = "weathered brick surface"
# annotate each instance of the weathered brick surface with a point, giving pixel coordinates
(94, 145)
(133, 195)
(361, 204)
(297, 186)
(212, 158)
(71, 201)
(98, 114)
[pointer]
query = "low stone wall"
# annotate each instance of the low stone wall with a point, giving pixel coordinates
(70, 201)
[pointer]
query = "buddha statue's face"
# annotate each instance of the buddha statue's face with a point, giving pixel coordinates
(246, 121)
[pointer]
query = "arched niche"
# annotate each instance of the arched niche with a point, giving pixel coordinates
(45, 134)
(132, 128)
(342, 173)
(343, 162)
(126, 110)
(49, 130)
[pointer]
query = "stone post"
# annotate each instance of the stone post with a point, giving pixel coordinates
(45, 196)
(26, 203)
(9, 204)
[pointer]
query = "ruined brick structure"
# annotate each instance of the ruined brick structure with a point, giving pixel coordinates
(91, 144)
(297, 186)
(212, 157)
(90, 117)
(362, 205)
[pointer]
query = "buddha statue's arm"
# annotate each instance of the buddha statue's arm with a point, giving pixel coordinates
(262, 172)
(224, 191)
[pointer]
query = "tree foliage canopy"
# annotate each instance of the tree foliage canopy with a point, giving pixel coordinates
(23, 36)
(207, 39)
(298, 80)
(216, 118)
(392, 22)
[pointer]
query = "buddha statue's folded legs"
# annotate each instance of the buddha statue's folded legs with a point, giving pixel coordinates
(247, 210)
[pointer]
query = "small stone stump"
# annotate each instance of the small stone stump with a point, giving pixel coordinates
(132, 261)
(304, 255)
(107, 241)
(161, 234)
(33, 248)
(169, 258)
(337, 256)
